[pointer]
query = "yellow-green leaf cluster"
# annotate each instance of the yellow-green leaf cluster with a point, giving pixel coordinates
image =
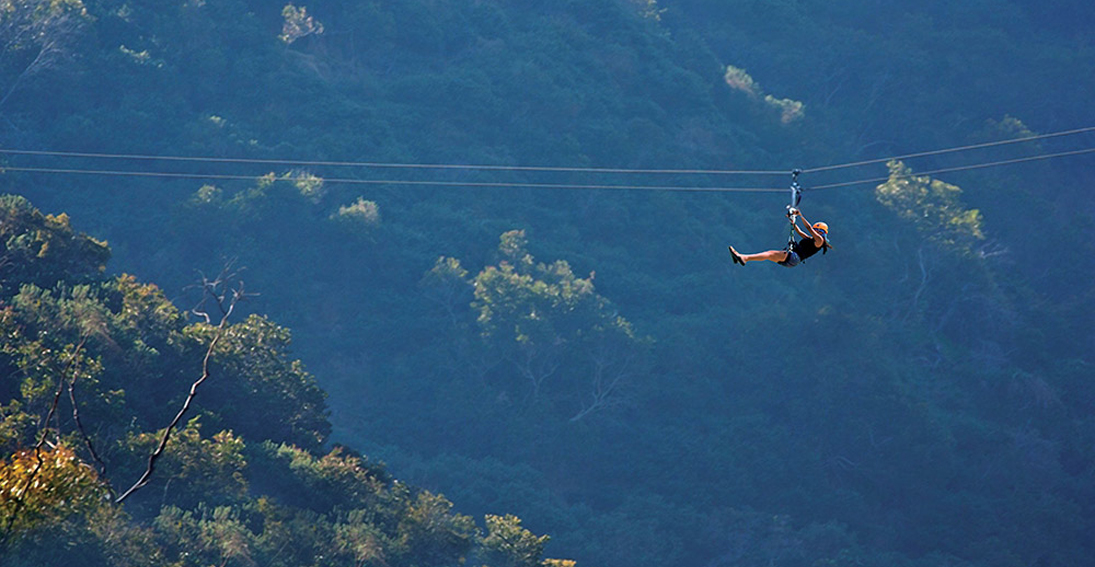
(41, 487)
(934, 206)
(740, 80)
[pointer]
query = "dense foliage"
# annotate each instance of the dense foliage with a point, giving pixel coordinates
(589, 361)
(262, 490)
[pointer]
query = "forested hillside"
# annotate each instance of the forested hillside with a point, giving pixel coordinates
(522, 338)
(95, 365)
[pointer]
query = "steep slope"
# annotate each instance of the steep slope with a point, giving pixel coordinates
(877, 404)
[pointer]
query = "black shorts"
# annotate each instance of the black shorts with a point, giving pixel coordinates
(791, 261)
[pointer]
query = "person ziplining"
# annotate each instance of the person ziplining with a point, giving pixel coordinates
(813, 240)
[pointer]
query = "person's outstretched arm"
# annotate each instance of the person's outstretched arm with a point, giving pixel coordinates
(814, 235)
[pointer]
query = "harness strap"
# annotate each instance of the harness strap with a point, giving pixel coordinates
(791, 233)
(796, 198)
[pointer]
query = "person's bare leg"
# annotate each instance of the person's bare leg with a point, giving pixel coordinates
(771, 256)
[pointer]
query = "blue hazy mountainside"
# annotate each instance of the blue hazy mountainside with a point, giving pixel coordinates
(525, 340)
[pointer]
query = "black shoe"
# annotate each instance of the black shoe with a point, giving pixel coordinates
(737, 258)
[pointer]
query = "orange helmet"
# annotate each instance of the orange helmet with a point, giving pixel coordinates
(822, 227)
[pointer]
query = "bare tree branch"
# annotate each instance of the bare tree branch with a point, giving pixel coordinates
(926, 268)
(48, 27)
(225, 301)
(612, 365)
(73, 364)
(538, 364)
(80, 427)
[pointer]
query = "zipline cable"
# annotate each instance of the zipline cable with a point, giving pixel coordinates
(681, 188)
(950, 150)
(387, 165)
(958, 168)
(470, 184)
(570, 186)
(521, 168)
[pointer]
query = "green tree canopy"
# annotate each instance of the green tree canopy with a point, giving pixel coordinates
(934, 206)
(560, 336)
(44, 249)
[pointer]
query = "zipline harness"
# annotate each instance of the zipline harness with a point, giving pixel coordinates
(792, 209)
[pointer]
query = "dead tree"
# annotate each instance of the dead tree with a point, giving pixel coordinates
(36, 35)
(219, 296)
